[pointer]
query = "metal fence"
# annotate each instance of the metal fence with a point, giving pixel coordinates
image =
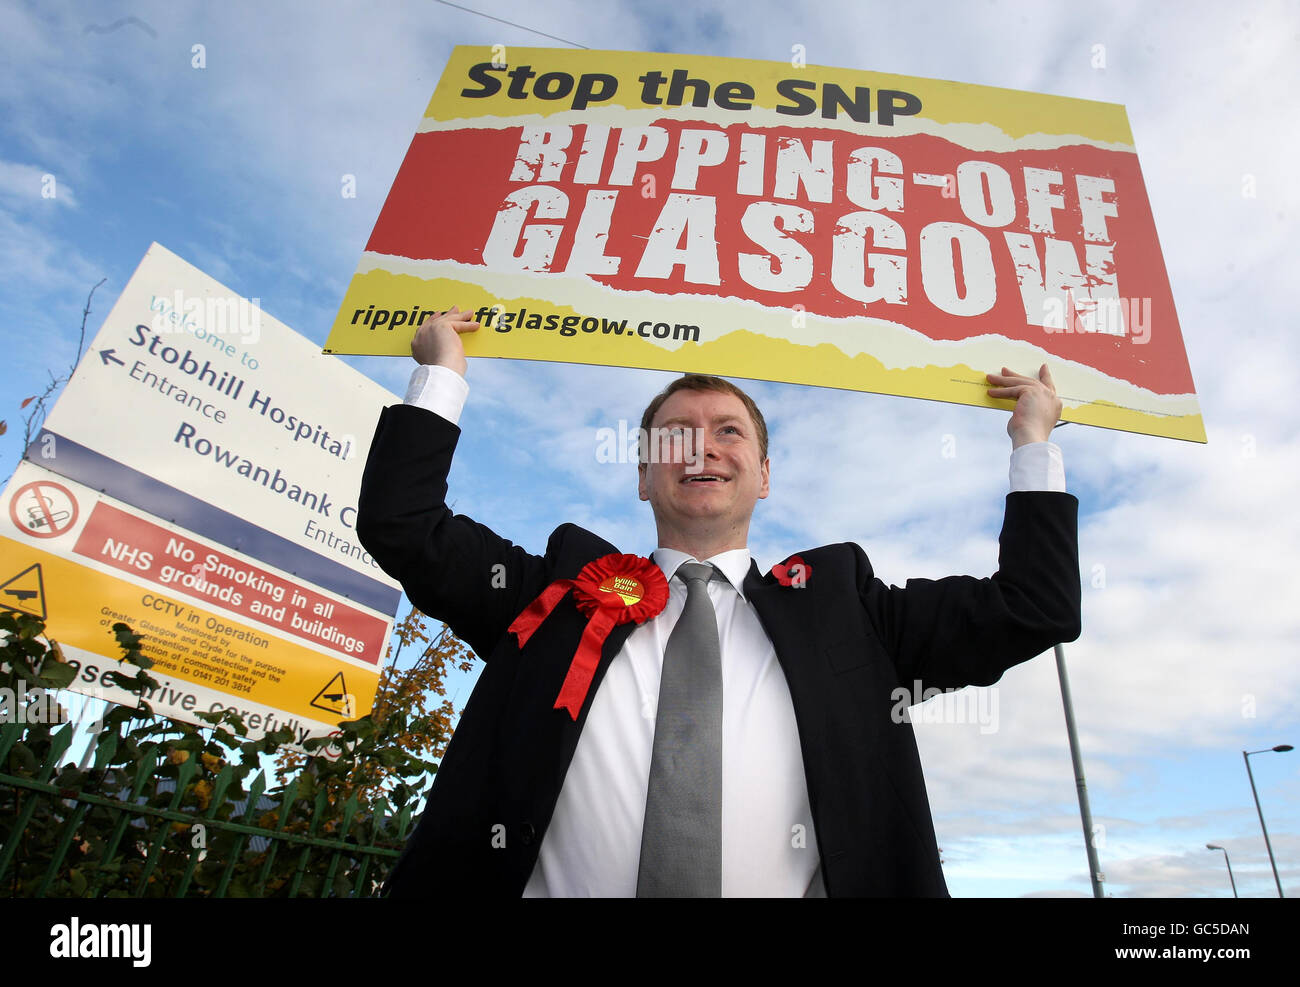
(137, 820)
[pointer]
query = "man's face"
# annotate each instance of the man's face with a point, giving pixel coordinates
(720, 477)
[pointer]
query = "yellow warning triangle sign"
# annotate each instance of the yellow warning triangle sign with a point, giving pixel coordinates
(334, 697)
(25, 592)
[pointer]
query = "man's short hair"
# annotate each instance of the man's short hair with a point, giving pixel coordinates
(703, 382)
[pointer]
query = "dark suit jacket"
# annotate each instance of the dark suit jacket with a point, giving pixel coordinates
(845, 640)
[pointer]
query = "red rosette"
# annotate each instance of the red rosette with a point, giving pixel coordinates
(611, 590)
(794, 571)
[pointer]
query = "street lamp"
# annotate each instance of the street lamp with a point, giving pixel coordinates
(1081, 785)
(1215, 846)
(1245, 756)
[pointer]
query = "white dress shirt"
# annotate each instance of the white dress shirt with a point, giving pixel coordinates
(592, 846)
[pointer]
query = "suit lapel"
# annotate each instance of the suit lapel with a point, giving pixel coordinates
(787, 615)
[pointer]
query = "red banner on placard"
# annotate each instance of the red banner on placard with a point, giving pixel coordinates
(1012, 220)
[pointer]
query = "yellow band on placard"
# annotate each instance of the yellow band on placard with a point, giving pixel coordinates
(189, 642)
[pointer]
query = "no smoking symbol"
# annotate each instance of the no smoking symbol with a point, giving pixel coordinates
(43, 509)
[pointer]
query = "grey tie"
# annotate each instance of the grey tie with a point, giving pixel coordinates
(681, 844)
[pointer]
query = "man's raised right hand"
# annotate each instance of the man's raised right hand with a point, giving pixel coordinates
(437, 341)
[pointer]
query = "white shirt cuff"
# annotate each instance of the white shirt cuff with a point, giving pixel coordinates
(438, 389)
(1038, 466)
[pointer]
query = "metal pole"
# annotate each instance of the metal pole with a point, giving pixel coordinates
(1214, 846)
(94, 728)
(1250, 774)
(1094, 865)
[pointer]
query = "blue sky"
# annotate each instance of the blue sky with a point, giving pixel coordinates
(1190, 623)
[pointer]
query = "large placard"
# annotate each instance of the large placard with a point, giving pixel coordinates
(784, 222)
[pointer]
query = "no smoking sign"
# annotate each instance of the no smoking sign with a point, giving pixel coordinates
(43, 509)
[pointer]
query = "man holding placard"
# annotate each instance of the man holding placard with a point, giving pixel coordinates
(684, 726)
